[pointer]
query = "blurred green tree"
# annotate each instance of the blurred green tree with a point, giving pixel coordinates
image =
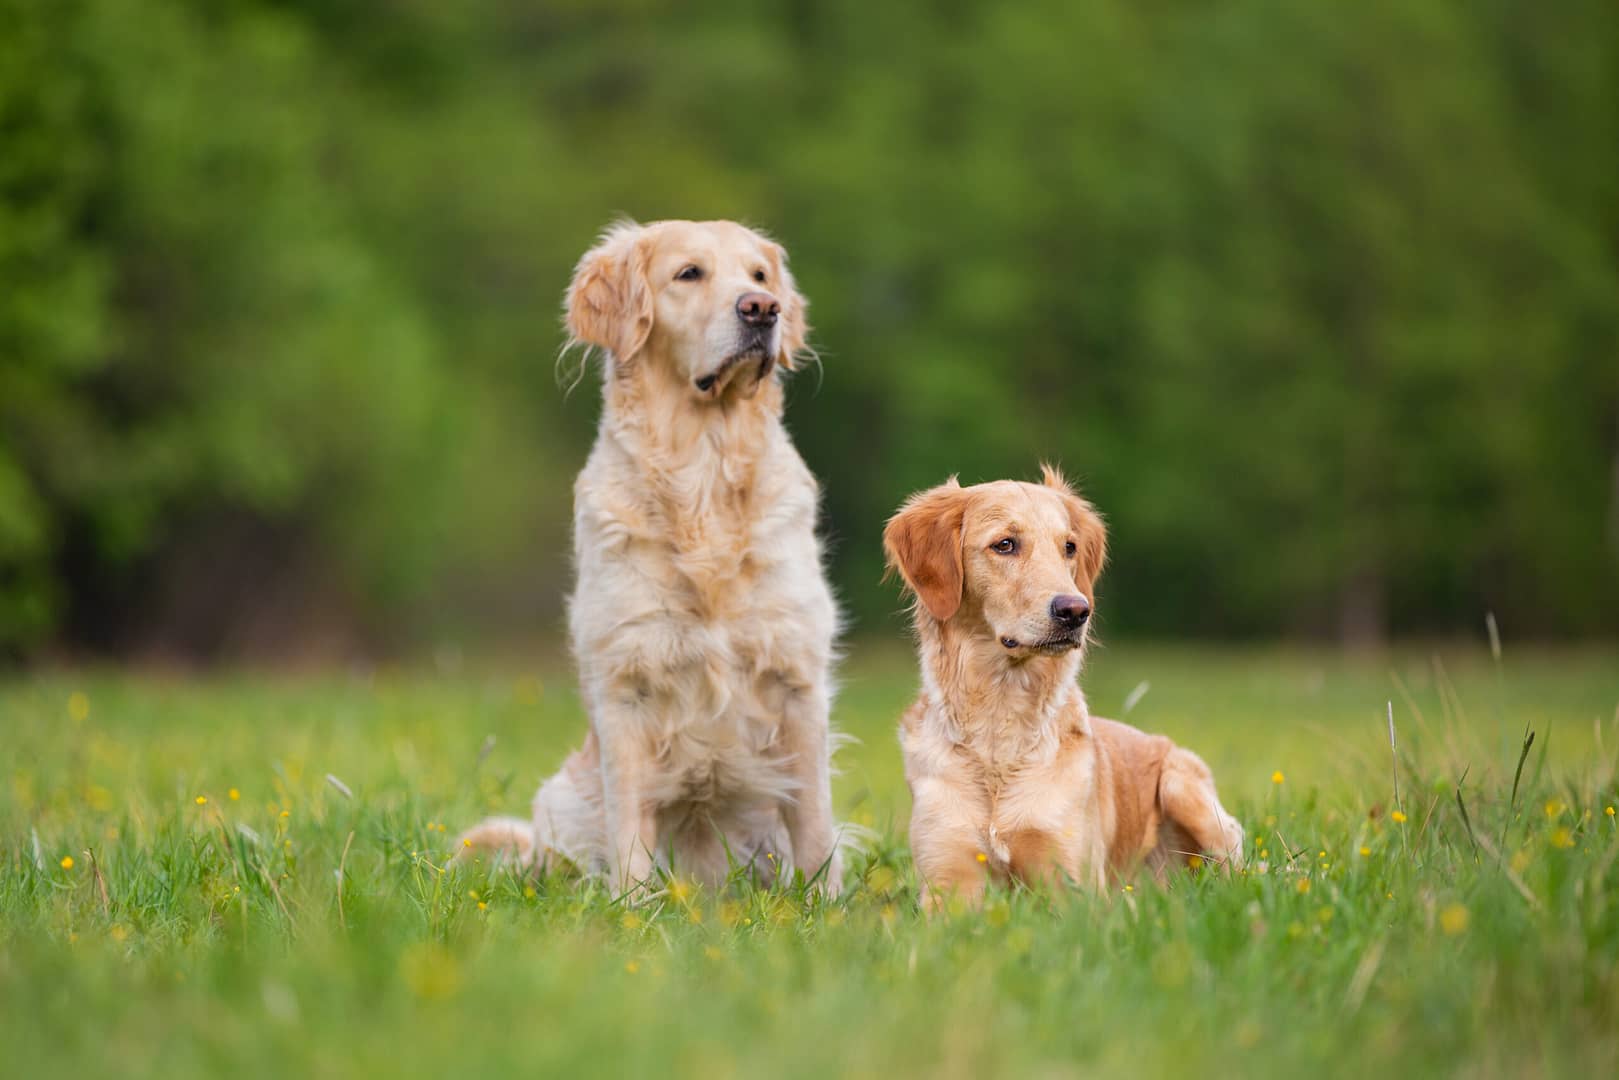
(1322, 305)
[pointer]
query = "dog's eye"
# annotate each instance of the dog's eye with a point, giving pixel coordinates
(1007, 545)
(690, 273)
(1072, 549)
(759, 276)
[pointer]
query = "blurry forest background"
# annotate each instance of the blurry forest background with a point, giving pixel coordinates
(1320, 302)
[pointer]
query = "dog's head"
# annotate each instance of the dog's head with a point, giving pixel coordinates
(1016, 561)
(710, 303)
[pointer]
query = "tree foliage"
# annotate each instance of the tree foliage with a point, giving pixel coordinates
(1321, 302)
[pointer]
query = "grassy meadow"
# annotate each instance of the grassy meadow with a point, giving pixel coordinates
(244, 874)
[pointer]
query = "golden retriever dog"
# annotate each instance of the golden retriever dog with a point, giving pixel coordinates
(701, 621)
(1010, 775)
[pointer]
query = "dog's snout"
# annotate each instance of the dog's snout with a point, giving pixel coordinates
(1070, 611)
(758, 309)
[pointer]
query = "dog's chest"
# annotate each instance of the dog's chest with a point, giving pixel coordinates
(717, 731)
(1040, 814)
(706, 625)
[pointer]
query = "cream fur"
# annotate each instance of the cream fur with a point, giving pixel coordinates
(701, 621)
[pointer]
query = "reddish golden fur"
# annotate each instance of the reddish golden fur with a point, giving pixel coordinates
(1010, 775)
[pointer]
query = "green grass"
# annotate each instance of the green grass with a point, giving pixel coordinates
(1355, 945)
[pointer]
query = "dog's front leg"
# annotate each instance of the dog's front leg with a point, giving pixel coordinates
(629, 815)
(948, 843)
(808, 816)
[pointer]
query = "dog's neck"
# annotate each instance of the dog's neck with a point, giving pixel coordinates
(1000, 708)
(705, 481)
(659, 417)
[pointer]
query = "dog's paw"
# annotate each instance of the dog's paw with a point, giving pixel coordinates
(1234, 846)
(824, 878)
(830, 883)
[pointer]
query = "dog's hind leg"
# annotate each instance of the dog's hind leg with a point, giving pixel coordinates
(568, 819)
(1186, 793)
(566, 826)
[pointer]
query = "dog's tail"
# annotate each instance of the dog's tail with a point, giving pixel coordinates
(500, 838)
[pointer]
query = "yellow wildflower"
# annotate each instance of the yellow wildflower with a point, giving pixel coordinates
(1554, 807)
(1563, 838)
(1365, 851)
(630, 921)
(235, 795)
(1453, 920)
(1276, 777)
(67, 862)
(632, 967)
(1399, 817)
(202, 800)
(528, 892)
(982, 857)
(1304, 885)
(1609, 811)
(466, 841)
(1194, 862)
(483, 906)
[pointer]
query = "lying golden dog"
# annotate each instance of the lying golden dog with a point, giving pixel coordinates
(1010, 775)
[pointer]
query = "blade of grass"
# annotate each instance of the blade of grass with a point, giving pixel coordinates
(1517, 775)
(1462, 806)
(1394, 757)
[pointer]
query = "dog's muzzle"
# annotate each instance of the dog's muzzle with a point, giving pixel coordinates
(753, 346)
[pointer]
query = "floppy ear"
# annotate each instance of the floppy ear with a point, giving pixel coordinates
(609, 301)
(1089, 532)
(794, 323)
(923, 542)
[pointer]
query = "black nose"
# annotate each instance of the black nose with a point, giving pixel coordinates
(1070, 612)
(758, 309)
